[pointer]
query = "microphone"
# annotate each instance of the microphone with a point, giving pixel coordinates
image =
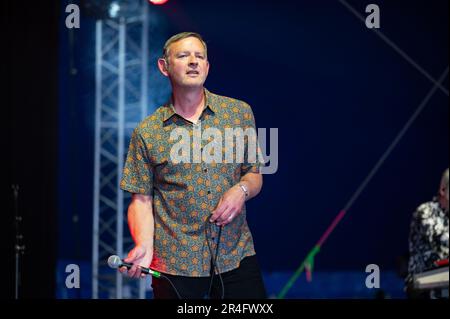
(115, 262)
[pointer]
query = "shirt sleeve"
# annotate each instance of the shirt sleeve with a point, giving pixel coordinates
(137, 174)
(422, 252)
(251, 160)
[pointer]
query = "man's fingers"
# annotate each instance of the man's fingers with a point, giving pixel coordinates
(131, 257)
(137, 273)
(134, 272)
(123, 270)
(131, 271)
(218, 212)
(134, 254)
(226, 217)
(135, 257)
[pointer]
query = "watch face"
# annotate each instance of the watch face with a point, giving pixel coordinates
(244, 189)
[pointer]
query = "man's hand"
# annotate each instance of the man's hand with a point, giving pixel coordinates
(139, 256)
(230, 205)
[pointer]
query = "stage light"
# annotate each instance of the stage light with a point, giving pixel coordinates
(158, 2)
(114, 9)
(111, 9)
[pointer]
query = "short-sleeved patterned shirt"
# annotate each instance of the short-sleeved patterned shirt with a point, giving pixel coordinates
(186, 192)
(428, 239)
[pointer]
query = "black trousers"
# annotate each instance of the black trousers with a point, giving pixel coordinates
(244, 282)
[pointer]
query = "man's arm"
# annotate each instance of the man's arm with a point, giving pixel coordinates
(140, 220)
(232, 202)
(142, 227)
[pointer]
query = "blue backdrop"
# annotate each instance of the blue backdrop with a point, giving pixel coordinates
(338, 94)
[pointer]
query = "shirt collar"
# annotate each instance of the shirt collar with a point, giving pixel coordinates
(169, 109)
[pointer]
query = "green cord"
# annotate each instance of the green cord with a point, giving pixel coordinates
(308, 260)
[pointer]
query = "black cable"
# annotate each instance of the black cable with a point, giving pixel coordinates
(214, 262)
(215, 267)
(212, 272)
(173, 286)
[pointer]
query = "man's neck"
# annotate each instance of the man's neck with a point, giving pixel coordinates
(189, 103)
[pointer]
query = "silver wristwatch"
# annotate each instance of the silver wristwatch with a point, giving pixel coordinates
(244, 189)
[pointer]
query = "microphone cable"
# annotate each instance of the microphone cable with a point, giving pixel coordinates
(115, 262)
(214, 259)
(173, 286)
(214, 262)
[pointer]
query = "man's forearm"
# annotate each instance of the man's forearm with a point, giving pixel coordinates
(141, 222)
(253, 182)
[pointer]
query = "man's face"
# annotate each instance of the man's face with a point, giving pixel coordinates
(187, 63)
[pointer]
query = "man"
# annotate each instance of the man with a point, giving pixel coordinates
(188, 218)
(428, 239)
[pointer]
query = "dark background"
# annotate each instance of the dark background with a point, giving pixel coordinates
(337, 93)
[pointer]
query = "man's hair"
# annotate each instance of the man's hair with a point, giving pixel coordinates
(181, 36)
(444, 180)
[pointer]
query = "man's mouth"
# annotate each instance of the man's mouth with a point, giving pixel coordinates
(192, 72)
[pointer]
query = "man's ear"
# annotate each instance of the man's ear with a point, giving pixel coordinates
(207, 67)
(163, 66)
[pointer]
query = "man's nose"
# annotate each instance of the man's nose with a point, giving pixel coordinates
(193, 61)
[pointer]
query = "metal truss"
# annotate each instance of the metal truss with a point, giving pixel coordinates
(121, 72)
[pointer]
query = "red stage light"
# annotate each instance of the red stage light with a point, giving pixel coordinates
(158, 2)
